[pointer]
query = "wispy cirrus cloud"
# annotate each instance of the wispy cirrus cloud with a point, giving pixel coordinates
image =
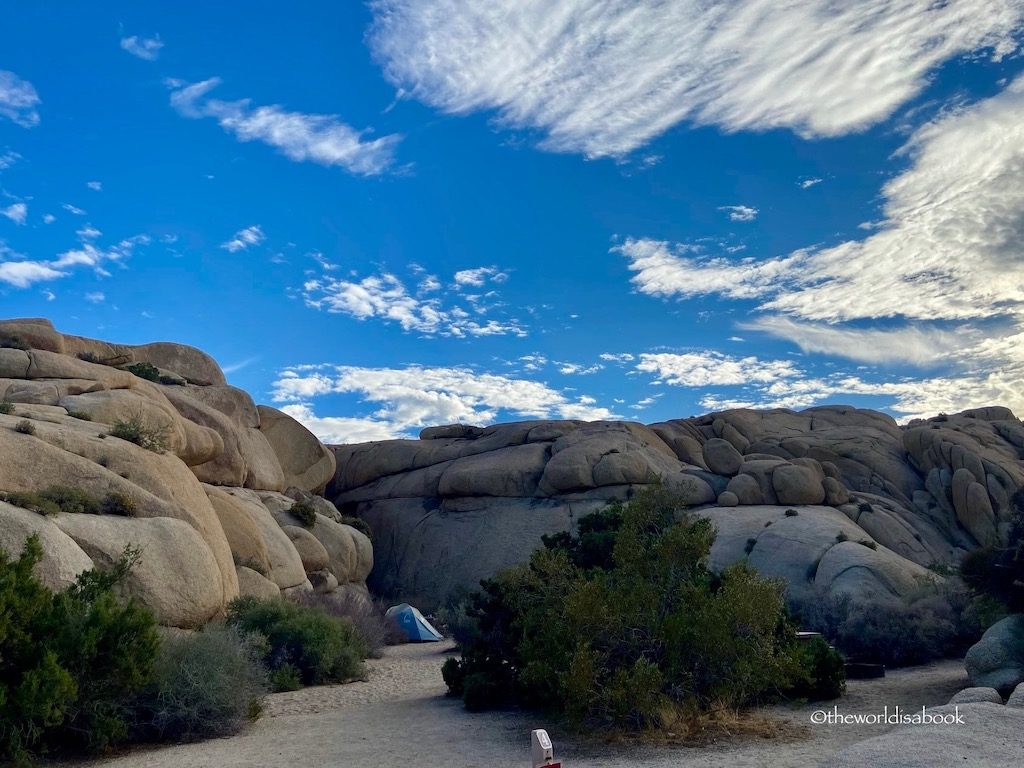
(431, 311)
(947, 247)
(407, 399)
(146, 48)
(20, 272)
(606, 78)
(18, 100)
(740, 212)
(299, 136)
(16, 212)
(244, 239)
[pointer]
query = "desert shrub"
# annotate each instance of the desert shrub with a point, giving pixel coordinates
(455, 619)
(359, 524)
(625, 626)
(25, 427)
(10, 341)
(825, 672)
(941, 620)
(792, 513)
(80, 415)
(146, 371)
(841, 537)
(61, 498)
(119, 504)
(71, 663)
(171, 381)
(210, 683)
(868, 543)
(304, 512)
(366, 616)
(134, 430)
(321, 648)
(90, 357)
(6, 407)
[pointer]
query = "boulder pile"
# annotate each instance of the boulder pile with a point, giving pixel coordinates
(209, 481)
(833, 499)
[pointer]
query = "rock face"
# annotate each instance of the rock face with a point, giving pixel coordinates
(997, 660)
(832, 498)
(204, 506)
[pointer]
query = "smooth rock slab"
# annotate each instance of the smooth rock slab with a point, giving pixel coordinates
(976, 696)
(990, 737)
(997, 660)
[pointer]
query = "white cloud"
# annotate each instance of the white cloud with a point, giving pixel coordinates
(808, 183)
(17, 212)
(479, 276)
(322, 139)
(410, 398)
(947, 249)
(20, 272)
(605, 78)
(18, 100)
(73, 209)
(911, 344)
(49, 218)
(88, 232)
(96, 297)
(147, 48)
(8, 158)
(709, 368)
(386, 297)
(617, 357)
(95, 186)
(740, 212)
(577, 369)
(244, 238)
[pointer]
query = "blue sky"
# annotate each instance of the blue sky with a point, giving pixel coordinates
(389, 215)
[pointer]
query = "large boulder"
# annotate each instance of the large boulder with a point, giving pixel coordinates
(997, 659)
(176, 575)
(306, 463)
(62, 561)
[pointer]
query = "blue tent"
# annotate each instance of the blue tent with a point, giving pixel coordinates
(413, 624)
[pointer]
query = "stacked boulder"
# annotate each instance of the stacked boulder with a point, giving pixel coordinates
(833, 499)
(211, 504)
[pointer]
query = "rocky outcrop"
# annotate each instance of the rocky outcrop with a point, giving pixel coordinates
(997, 660)
(204, 495)
(833, 498)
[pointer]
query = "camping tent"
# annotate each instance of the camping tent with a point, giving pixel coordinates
(413, 624)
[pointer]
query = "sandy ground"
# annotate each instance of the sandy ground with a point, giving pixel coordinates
(400, 717)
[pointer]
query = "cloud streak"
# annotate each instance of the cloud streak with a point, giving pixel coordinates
(299, 136)
(605, 78)
(407, 399)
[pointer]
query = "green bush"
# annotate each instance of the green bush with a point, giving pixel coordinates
(146, 371)
(80, 415)
(367, 617)
(6, 407)
(321, 648)
(60, 498)
(210, 683)
(359, 524)
(792, 513)
(71, 663)
(825, 672)
(134, 430)
(25, 427)
(941, 620)
(624, 625)
(304, 512)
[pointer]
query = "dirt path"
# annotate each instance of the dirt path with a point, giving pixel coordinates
(400, 717)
